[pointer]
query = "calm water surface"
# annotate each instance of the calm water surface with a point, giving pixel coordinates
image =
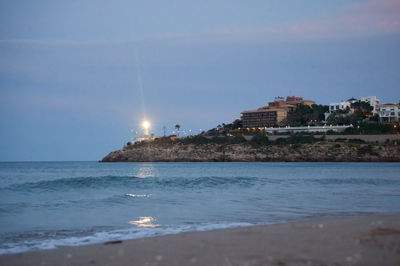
(48, 204)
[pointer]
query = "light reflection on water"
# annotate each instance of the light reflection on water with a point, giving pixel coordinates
(145, 222)
(145, 171)
(138, 195)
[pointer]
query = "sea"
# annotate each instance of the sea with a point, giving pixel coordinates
(44, 205)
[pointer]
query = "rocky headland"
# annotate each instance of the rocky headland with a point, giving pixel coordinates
(258, 148)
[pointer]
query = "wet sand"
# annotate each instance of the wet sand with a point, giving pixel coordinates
(362, 240)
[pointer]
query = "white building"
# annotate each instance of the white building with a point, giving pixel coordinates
(144, 137)
(389, 112)
(333, 107)
(373, 101)
(339, 106)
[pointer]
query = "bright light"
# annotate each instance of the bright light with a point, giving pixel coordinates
(144, 222)
(146, 125)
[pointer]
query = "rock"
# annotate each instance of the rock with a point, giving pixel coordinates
(322, 151)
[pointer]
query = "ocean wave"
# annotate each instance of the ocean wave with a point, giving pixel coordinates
(352, 180)
(109, 181)
(122, 199)
(134, 182)
(51, 240)
(206, 181)
(75, 182)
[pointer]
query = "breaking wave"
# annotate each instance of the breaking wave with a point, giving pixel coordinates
(51, 240)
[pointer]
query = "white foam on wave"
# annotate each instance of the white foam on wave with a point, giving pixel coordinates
(138, 195)
(104, 236)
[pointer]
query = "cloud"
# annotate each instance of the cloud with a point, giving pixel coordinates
(371, 18)
(381, 17)
(374, 18)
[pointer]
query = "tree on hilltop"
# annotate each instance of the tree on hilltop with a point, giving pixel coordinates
(362, 108)
(304, 114)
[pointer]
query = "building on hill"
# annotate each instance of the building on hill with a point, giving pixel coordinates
(373, 101)
(298, 100)
(263, 117)
(352, 100)
(144, 137)
(337, 106)
(389, 113)
(280, 105)
(346, 105)
(274, 113)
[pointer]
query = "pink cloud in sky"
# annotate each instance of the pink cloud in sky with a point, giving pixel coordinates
(372, 18)
(377, 17)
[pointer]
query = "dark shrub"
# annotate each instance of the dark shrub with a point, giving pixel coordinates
(366, 149)
(259, 140)
(356, 141)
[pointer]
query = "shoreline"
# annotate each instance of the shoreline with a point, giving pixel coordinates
(255, 161)
(354, 240)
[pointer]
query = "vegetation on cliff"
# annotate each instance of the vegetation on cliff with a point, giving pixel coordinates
(257, 147)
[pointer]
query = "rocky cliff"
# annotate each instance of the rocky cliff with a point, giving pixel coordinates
(248, 151)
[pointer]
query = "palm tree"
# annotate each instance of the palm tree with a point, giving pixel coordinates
(177, 128)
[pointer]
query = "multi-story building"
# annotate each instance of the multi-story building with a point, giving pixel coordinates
(263, 117)
(337, 106)
(389, 113)
(373, 101)
(280, 104)
(274, 113)
(334, 107)
(298, 100)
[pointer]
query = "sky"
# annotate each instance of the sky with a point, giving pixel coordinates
(77, 76)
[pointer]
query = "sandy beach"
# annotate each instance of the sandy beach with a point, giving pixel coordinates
(362, 240)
